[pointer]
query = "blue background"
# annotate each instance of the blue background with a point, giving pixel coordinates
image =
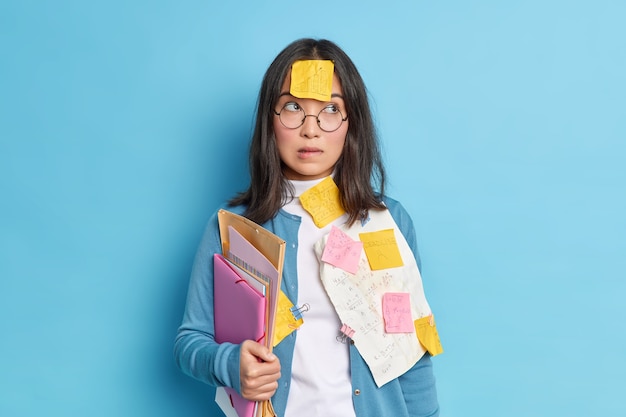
(124, 124)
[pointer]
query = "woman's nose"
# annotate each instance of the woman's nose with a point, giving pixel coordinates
(310, 128)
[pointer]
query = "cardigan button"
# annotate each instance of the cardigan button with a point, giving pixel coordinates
(357, 392)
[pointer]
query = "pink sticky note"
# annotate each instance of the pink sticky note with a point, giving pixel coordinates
(397, 312)
(341, 251)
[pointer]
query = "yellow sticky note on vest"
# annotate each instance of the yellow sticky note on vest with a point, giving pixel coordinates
(312, 78)
(285, 320)
(381, 249)
(427, 334)
(322, 202)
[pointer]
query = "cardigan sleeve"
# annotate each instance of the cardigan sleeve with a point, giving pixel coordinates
(195, 350)
(419, 389)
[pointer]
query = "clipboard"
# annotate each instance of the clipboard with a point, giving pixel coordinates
(261, 254)
(254, 241)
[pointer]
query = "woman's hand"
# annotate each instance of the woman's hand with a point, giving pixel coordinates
(259, 371)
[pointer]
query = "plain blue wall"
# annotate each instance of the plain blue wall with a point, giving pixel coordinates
(124, 124)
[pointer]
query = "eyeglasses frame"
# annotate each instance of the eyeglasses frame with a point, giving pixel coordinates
(277, 113)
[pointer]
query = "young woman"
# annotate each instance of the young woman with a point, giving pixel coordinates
(300, 140)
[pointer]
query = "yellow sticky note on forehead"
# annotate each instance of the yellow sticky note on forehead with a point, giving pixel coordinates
(312, 79)
(322, 202)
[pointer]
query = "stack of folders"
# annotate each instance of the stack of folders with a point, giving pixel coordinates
(247, 276)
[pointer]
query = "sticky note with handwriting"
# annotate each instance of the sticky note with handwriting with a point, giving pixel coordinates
(312, 78)
(427, 334)
(285, 320)
(322, 202)
(397, 312)
(381, 249)
(341, 251)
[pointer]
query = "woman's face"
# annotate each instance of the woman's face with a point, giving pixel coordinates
(308, 152)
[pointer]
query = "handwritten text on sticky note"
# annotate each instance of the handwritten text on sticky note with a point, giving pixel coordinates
(397, 312)
(341, 251)
(322, 202)
(381, 249)
(312, 79)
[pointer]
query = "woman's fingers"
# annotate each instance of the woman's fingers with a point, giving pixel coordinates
(259, 371)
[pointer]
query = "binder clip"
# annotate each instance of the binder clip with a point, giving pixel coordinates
(297, 311)
(346, 332)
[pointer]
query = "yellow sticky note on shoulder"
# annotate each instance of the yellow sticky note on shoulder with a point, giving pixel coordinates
(312, 78)
(427, 334)
(285, 320)
(381, 249)
(322, 202)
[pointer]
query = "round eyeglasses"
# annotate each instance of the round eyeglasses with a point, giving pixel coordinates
(292, 116)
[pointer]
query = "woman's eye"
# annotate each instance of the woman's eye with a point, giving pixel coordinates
(331, 108)
(291, 106)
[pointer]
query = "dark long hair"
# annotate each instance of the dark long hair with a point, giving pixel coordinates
(358, 171)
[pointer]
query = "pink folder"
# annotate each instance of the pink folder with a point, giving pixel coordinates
(239, 315)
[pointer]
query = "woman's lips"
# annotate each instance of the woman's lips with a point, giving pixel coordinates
(308, 152)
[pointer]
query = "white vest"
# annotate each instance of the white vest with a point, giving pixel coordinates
(357, 298)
